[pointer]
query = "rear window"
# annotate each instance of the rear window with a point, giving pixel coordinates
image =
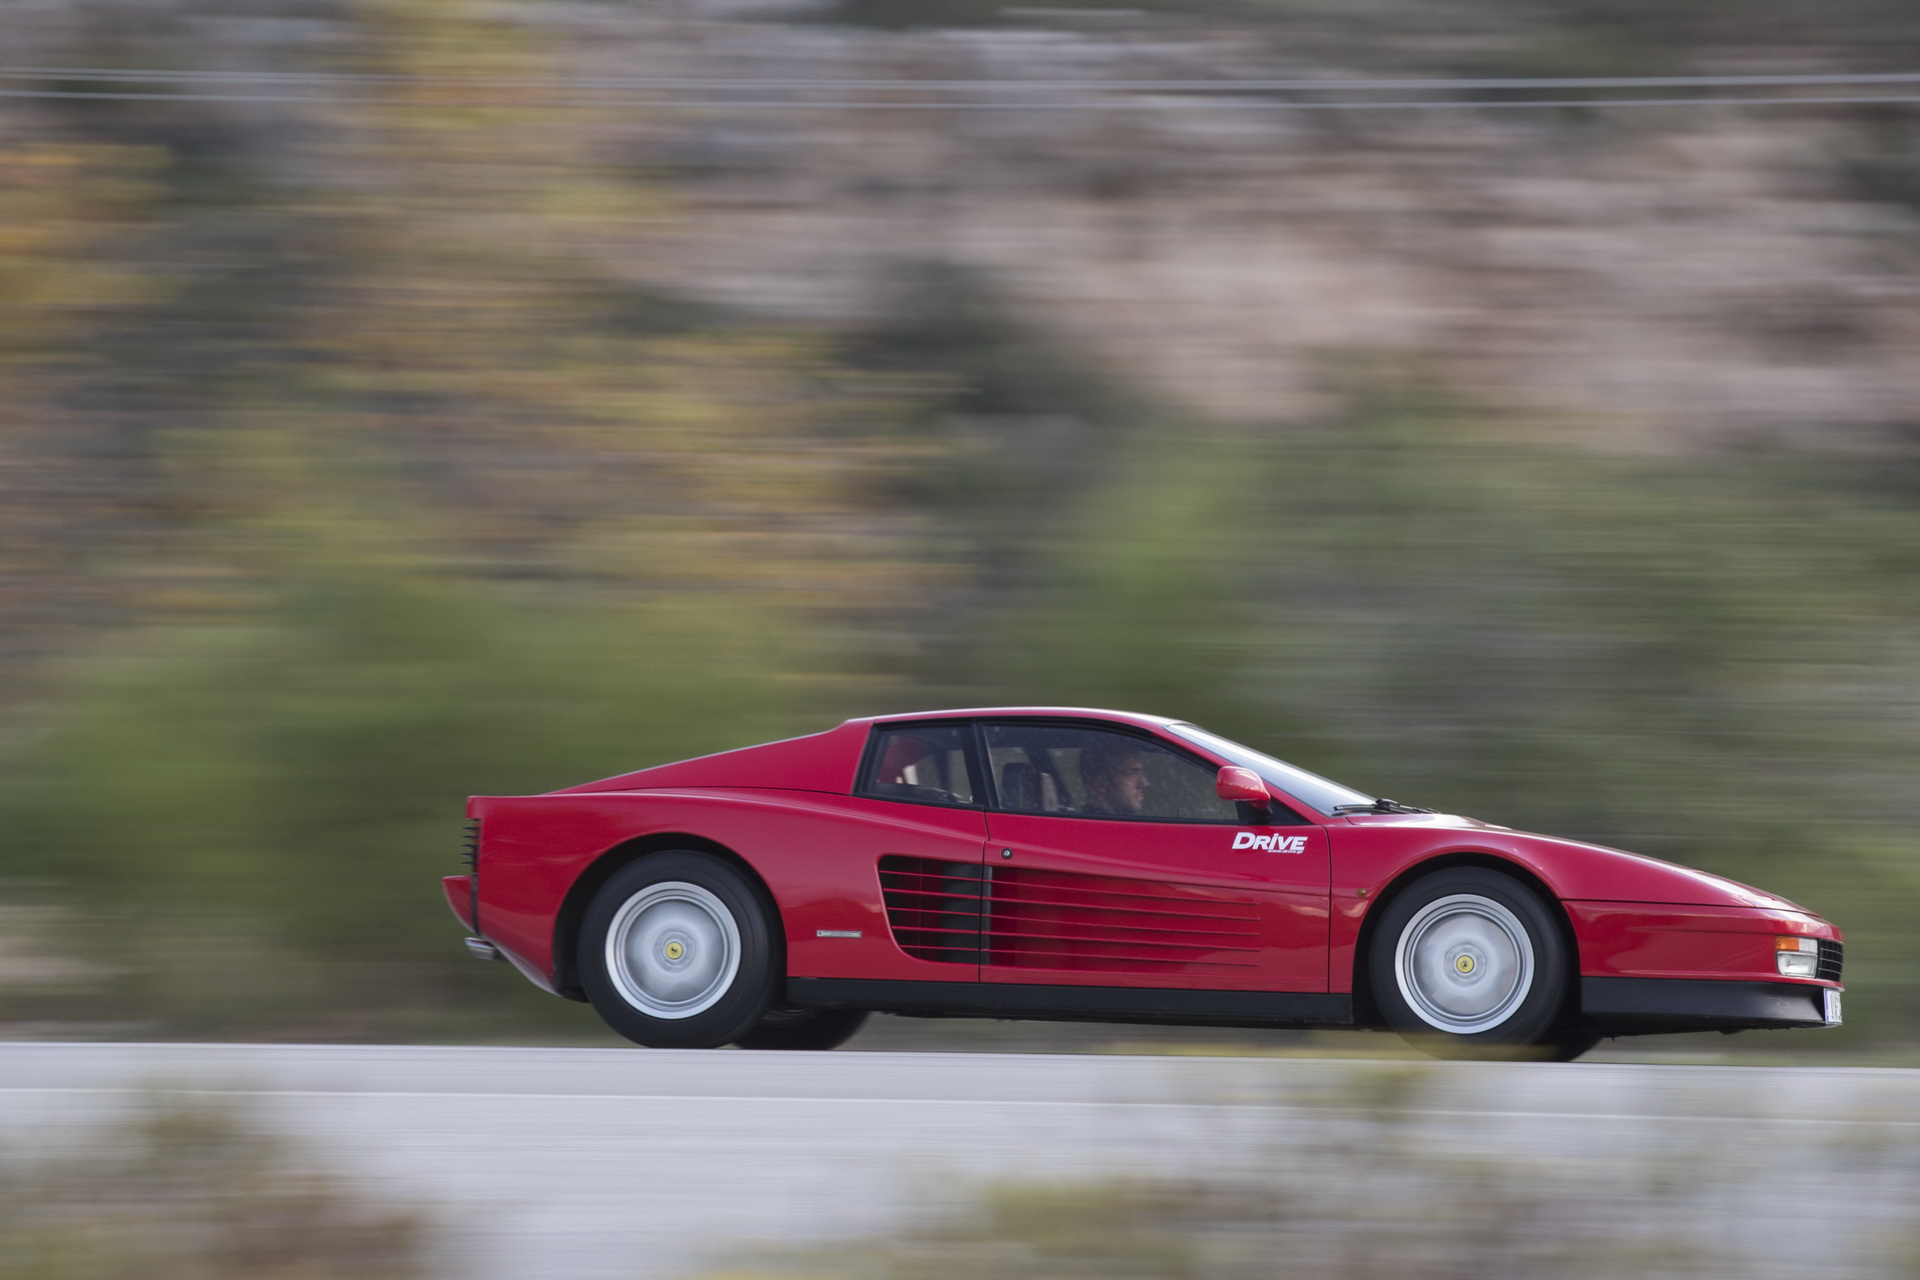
(926, 764)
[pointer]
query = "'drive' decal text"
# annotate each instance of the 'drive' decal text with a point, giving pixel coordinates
(1272, 844)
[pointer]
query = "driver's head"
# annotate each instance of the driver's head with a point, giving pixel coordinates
(1114, 775)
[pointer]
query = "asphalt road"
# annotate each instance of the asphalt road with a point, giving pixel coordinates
(584, 1163)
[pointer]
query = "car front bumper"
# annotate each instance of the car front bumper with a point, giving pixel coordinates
(1646, 1006)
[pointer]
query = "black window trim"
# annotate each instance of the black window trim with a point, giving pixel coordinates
(976, 768)
(992, 790)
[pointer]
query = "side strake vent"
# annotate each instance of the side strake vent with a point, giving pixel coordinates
(472, 845)
(1830, 956)
(1039, 919)
(1026, 918)
(933, 907)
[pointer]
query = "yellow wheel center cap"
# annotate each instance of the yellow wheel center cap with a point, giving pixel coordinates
(674, 950)
(1463, 964)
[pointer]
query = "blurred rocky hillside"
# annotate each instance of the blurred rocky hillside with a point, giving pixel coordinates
(405, 399)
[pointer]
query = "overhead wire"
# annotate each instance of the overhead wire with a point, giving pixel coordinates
(1095, 94)
(736, 104)
(1227, 85)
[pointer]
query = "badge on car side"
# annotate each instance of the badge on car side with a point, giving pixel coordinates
(1271, 844)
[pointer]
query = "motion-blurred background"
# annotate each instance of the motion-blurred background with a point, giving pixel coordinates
(406, 399)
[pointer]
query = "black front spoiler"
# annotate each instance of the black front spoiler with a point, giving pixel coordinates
(1611, 1006)
(1649, 1006)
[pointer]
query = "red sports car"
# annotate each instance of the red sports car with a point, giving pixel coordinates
(1096, 865)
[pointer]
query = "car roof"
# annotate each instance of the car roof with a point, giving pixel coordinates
(824, 761)
(1009, 713)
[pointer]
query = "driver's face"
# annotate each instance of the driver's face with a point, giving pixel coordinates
(1130, 785)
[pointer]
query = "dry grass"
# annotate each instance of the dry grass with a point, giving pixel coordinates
(191, 1192)
(1358, 1187)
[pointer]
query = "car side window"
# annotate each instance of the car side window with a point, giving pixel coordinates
(1093, 773)
(923, 763)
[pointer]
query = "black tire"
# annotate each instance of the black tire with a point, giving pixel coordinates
(1570, 1045)
(804, 1029)
(693, 911)
(1512, 962)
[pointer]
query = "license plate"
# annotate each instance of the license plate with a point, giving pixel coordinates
(1830, 1005)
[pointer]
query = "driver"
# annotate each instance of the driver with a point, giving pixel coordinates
(1115, 777)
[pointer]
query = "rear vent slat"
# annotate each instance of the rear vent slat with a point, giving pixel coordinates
(1042, 919)
(1116, 961)
(933, 907)
(1079, 934)
(1103, 890)
(1206, 920)
(1022, 920)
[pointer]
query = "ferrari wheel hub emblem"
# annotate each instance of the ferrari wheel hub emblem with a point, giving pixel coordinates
(1463, 964)
(674, 950)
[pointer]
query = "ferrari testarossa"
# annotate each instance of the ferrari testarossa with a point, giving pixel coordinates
(1063, 863)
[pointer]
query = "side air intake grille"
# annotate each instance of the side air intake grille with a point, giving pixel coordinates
(472, 845)
(1027, 918)
(933, 907)
(1831, 954)
(1039, 919)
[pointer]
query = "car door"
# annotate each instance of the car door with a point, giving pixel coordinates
(1112, 862)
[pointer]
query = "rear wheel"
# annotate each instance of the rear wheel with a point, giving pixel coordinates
(679, 951)
(804, 1029)
(1468, 962)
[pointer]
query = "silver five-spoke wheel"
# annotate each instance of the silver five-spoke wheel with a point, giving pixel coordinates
(673, 949)
(1464, 963)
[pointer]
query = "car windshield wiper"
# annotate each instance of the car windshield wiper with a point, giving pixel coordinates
(1382, 805)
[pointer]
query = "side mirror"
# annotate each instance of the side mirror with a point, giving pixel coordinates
(1246, 790)
(1244, 785)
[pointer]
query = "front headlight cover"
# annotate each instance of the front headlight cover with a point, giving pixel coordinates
(1797, 957)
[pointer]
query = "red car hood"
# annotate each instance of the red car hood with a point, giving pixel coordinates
(1594, 872)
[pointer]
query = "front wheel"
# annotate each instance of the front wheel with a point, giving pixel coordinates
(679, 951)
(1468, 962)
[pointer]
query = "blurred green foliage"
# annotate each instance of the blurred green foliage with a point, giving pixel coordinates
(1709, 660)
(286, 789)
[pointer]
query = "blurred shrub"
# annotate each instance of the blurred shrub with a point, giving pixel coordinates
(435, 501)
(1704, 659)
(291, 786)
(185, 1192)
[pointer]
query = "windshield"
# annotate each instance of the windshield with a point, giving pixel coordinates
(1308, 788)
